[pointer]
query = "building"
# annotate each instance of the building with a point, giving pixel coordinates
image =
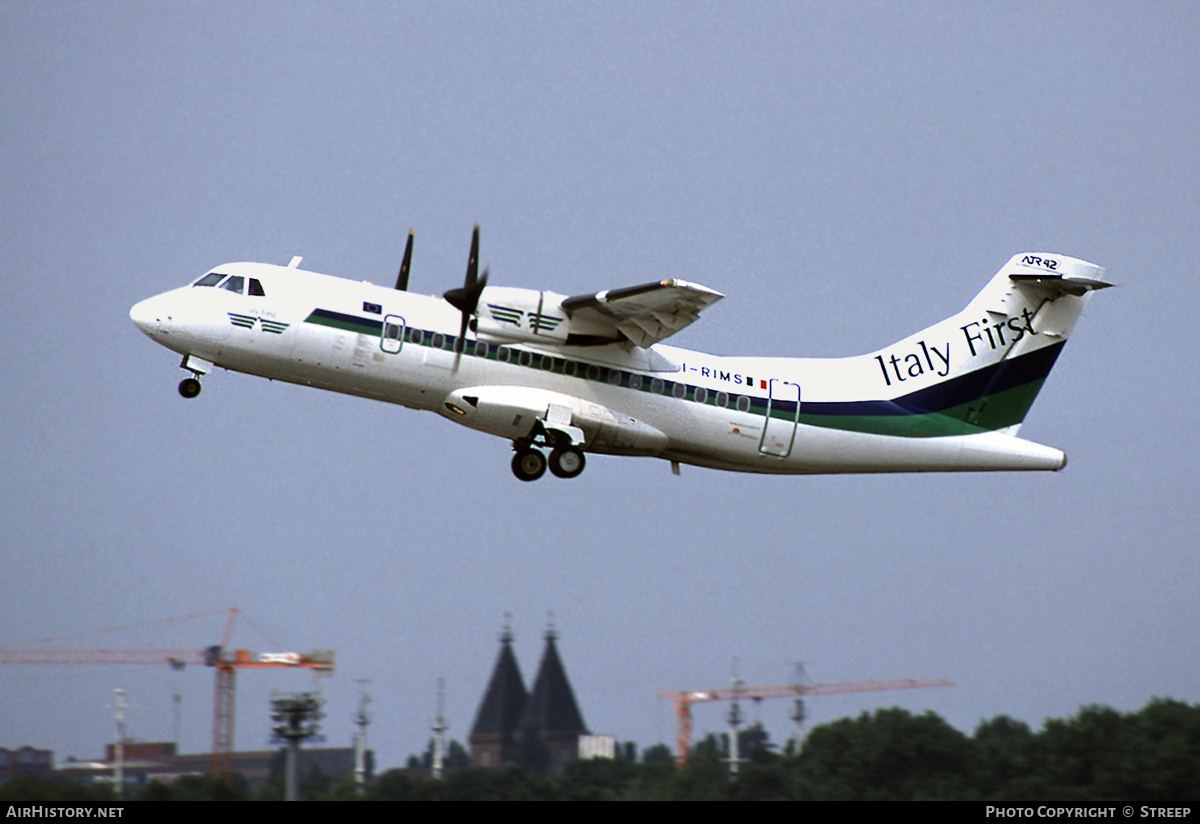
(552, 710)
(158, 761)
(26, 761)
(508, 713)
(499, 717)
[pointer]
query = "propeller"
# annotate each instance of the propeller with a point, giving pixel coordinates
(466, 298)
(402, 278)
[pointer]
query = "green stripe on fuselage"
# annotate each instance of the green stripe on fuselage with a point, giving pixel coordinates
(346, 323)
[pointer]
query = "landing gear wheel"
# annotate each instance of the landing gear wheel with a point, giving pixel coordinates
(567, 462)
(189, 387)
(529, 464)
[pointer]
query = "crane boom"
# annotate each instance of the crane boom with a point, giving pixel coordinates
(683, 700)
(225, 661)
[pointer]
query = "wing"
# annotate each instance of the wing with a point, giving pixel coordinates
(646, 314)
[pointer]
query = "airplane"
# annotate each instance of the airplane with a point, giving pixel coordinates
(588, 375)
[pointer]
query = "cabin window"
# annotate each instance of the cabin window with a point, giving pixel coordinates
(503, 354)
(256, 289)
(722, 400)
(211, 279)
(656, 386)
(417, 336)
(679, 390)
(438, 340)
(569, 368)
(743, 404)
(526, 358)
(548, 363)
(701, 394)
(593, 372)
(635, 381)
(236, 283)
(480, 349)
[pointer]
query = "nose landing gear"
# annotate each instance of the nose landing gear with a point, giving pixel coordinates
(189, 387)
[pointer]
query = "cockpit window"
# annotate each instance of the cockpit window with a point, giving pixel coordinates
(237, 283)
(211, 279)
(256, 289)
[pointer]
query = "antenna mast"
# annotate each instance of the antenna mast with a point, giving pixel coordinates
(361, 719)
(439, 731)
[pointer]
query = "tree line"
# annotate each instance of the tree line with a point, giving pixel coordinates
(1099, 754)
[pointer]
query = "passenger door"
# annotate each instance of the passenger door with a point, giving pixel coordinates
(783, 412)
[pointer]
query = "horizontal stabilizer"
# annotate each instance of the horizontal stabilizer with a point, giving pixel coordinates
(1056, 273)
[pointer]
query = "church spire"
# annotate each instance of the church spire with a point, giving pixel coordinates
(503, 706)
(551, 706)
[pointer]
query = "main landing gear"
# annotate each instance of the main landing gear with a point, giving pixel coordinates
(529, 464)
(567, 462)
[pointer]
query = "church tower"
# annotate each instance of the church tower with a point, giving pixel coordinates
(551, 709)
(499, 718)
(508, 712)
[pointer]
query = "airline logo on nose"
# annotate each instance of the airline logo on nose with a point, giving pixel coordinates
(247, 322)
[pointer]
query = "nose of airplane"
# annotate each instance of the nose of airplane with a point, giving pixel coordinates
(140, 315)
(146, 315)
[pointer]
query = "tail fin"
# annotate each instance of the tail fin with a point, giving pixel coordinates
(981, 369)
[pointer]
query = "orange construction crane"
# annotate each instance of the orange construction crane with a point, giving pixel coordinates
(683, 700)
(225, 661)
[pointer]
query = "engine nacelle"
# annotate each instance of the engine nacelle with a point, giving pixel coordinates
(507, 313)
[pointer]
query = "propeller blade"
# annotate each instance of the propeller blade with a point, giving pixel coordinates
(461, 342)
(402, 278)
(473, 261)
(466, 298)
(475, 292)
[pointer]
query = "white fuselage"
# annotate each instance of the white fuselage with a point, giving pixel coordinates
(742, 414)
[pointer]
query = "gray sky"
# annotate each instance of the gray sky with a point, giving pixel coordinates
(846, 173)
